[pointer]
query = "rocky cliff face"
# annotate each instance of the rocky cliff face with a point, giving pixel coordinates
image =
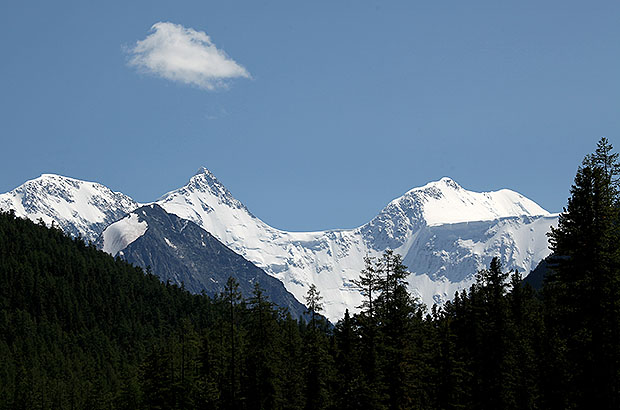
(179, 251)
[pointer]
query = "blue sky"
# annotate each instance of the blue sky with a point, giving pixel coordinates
(328, 110)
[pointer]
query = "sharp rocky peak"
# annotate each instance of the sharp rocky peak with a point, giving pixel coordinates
(204, 178)
(204, 182)
(448, 182)
(205, 171)
(436, 187)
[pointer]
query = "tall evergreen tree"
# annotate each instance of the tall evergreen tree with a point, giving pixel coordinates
(489, 310)
(211, 372)
(157, 380)
(399, 317)
(525, 332)
(369, 285)
(317, 363)
(263, 386)
(232, 297)
(583, 291)
(450, 380)
(352, 386)
(292, 371)
(314, 303)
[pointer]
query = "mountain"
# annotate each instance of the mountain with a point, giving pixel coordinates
(181, 252)
(546, 267)
(444, 232)
(78, 207)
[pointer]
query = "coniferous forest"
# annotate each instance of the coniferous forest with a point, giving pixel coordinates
(82, 330)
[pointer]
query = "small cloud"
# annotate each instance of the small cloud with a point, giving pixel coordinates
(184, 55)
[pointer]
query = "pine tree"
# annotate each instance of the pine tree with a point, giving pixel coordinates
(399, 317)
(368, 285)
(157, 380)
(314, 303)
(583, 291)
(232, 297)
(525, 336)
(490, 318)
(211, 372)
(292, 371)
(317, 365)
(130, 395)
(351, 389)
(263, 386)
(450, 380)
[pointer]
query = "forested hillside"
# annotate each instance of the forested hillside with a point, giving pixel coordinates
(81, 330)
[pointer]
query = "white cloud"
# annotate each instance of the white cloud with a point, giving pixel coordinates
(185, 55)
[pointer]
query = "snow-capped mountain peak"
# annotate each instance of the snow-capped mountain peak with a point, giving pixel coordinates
(445, 201)
(201, 189)
(78, 207)
(444, 232)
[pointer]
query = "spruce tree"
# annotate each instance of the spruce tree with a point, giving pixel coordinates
(262, 385)
(368, 284)
(317, 365)
(525, 336)
(583, 292)
(398, 317)
(450, 379)
(314, 303)
(351, 389)
(232, 297)
(292, 371)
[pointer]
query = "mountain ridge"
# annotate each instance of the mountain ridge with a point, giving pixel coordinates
(444, 232)
(179, 251)
(78, 207)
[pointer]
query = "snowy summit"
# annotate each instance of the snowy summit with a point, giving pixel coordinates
(444, 232)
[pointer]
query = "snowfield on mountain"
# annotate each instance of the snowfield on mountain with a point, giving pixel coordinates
(444, 233)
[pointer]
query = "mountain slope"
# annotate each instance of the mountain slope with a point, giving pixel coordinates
(181, 252)
(444, 232)
(78, 207)
(74, 321)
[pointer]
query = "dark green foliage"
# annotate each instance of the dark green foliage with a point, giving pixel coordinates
(352, 386)
(74, 320)
(489, 312)
(525, 336)
(582, 294)
(82, 330)
(263, 384)
(198, 261)
(317, 364)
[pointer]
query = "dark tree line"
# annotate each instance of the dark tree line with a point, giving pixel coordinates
(82, 330)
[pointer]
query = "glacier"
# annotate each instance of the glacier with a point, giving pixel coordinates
(444, 233)
(120, 234)
(79, 208)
